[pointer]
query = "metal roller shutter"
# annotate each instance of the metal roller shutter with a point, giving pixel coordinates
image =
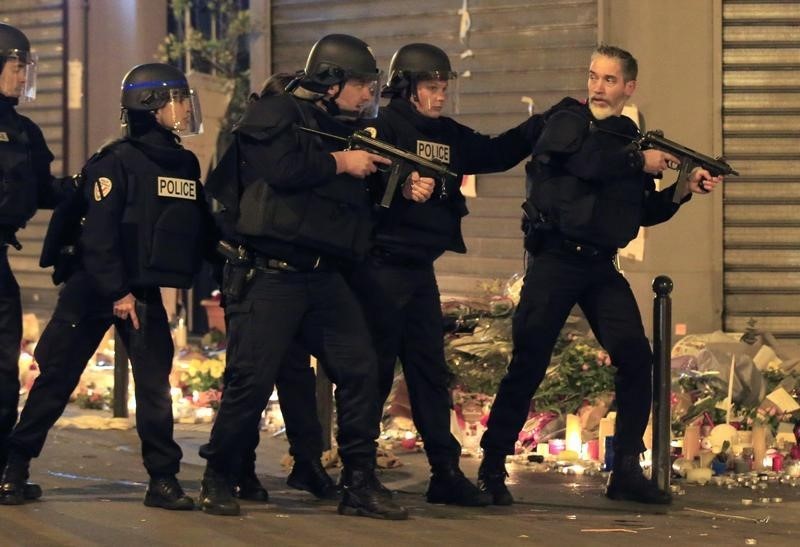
(520, 48)
(761, 137)
(43, 21)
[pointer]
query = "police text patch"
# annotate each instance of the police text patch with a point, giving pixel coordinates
(434, 151)
(102, 187)
(171, 187)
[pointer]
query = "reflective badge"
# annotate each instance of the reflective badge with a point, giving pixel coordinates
(4, 136)
(371, 131)
(102, 187)
(170, 187)
(434, 151)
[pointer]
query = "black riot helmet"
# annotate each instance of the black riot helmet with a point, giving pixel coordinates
(17, 64)
(336, 58)
(413, 63)
(153, 86)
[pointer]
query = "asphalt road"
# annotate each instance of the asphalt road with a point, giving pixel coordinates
(94, 485)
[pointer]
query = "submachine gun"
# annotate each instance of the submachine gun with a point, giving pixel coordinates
(689, 159)
(362, 140)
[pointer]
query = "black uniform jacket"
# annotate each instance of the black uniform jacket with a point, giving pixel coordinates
(293, 205)
(426, 230)
(586, 178)
(147, 223)
(25, 180)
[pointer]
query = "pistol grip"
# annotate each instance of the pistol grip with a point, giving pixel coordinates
(683, 180)
(391, 185)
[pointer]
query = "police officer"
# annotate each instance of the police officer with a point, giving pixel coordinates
(145, 227)
(25, 185)
(302, 208)
(296, 385)
(396, 283)
(589, 191)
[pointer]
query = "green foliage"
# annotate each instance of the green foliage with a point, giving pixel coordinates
(220, 52)
(90, 397)
(580, 371)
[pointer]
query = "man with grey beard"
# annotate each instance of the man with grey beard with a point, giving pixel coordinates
(589, 189)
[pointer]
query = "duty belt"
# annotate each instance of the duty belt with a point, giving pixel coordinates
(579, 248)
(265, 263)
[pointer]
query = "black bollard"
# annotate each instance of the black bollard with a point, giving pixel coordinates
(662, 344)
(120, 378)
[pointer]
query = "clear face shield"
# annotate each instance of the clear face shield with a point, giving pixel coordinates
(360, 98)
(182, 114)
(433, 92)
(18, 76)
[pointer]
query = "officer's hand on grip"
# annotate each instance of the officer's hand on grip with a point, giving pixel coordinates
(126, 307)
(418, 188)
(358, 163)
(701, 181)
(656, 161)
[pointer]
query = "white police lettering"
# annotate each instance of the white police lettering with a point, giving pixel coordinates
(434, 151)
(170, 187)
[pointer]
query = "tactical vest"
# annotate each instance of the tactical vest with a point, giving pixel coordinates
(163, 220)
(334, 218)
(18, 184)
(607, 213)
(436, 223)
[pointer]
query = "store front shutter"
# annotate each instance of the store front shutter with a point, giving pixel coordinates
(518, 49)
(761, 138)
(43, 21)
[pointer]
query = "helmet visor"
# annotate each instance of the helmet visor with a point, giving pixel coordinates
(362, 95)
(18, 76)
(182, 114)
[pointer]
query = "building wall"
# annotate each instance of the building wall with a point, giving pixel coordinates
(678, 46)
(121, 34)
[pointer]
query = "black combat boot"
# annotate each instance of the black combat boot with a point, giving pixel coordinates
(215, 494)
(492, 478)
(248, 487)
(309, 475)
(627, 482)
(164, 491)
(364, 495)
(449, 485)
(31, 491)
(13, 482)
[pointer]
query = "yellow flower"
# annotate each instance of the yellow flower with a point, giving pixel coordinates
(194, 367)
(203, 366)
(216, 368)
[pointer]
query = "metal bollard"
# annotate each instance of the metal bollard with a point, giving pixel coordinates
(662, 344)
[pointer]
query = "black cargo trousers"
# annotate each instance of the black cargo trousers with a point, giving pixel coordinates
(79, 322)
(277, 310)
(557, 278)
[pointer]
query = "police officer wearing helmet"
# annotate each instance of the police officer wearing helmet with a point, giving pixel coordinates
(25, 185)
(396, 284)
(303, 208)
(146, 226)
(589, 191)
(296, 384)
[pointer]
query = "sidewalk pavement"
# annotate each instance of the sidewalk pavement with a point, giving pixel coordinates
(94, 484)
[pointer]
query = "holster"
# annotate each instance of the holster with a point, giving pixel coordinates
(234, 279)
(534, 227)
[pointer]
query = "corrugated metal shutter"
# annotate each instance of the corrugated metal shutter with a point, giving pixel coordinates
(519, 49)
(761, 132)
(43, 21)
